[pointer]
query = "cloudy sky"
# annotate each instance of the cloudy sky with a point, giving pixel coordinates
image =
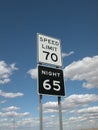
(75, 23)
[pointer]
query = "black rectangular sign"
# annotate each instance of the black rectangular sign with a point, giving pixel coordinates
(50, 81)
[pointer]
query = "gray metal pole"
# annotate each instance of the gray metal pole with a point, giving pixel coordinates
(13, 123)
(41, 112)
(60, 113)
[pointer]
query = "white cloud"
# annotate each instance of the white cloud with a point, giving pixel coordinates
(13, 114)
(20, 120)
(11, 108)
(2, 102)
(50, 105)
(28, 122)
(6, 71)
(33, 73)
(80, 99)
(88, 115)
(90, 110)
(67, 54)
(85, 69)
(10, 95)
(77, 119)
(71, 102)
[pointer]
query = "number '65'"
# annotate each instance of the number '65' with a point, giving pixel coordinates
(47, 85)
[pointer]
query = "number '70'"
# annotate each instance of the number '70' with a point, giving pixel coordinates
(53, 56)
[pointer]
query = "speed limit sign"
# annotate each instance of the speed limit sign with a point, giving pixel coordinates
(49, 50)
(50, 81)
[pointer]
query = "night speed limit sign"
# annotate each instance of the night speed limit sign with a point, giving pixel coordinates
(49, 50)
(50, 81)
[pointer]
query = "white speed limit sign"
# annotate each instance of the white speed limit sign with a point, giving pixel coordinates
(49, 50)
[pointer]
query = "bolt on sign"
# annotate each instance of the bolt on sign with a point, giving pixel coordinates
(49, 50)
(50, 81)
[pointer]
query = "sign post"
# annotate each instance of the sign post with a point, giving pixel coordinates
(41, 114)
(50, 80)
(60, 113)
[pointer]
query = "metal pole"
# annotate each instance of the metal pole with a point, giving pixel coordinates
(41, 113)
(60, 113)
(13, 123)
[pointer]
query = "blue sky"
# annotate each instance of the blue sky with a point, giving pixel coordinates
(75, 23)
